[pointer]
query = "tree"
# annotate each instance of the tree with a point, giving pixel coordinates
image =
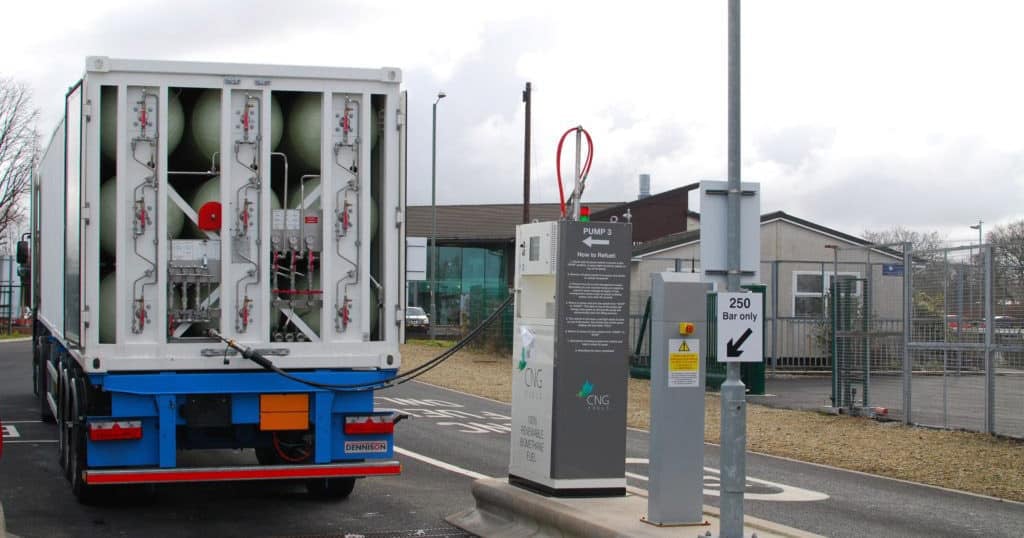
(19, 148)
(1009, 242)
(1008, 256)
(928, 267)
(919, 241)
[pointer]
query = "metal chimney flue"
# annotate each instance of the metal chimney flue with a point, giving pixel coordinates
(645, 186)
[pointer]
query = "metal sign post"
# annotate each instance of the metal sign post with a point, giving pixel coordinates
(734, 397)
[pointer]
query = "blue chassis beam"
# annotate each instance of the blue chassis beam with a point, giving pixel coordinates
(154, 398)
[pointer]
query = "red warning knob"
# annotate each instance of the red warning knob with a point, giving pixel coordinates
(209, 217)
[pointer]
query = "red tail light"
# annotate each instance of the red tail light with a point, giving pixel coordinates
(369, 424)
(115, 430)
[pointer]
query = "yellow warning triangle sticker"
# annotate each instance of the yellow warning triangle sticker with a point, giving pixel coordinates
(684, 347)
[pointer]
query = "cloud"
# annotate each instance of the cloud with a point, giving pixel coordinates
(795, 145)
(856, 114)
(937, 182)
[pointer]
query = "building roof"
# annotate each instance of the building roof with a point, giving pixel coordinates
(481, 222)
(693, 236)
(655, 216)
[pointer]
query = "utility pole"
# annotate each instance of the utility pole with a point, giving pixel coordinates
(733, 392)
(527, 98)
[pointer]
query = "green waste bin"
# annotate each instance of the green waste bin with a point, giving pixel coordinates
(752, 373)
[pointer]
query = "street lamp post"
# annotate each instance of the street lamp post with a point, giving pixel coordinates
(970, 260)
(978, 227)
(433, 218)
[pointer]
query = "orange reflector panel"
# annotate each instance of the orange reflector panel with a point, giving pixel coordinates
(281, 412)
(284, 402)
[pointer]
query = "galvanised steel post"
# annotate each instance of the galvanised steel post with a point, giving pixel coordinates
(433, 218)
(733, 392)
(775, 314)
(990, 327)
(908, 320)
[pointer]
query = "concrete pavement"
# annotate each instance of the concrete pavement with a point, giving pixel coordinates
(506, 511)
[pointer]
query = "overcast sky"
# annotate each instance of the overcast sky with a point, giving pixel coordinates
(857, 114)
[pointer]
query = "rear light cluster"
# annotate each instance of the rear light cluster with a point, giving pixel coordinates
(371, 424)
(115, 430)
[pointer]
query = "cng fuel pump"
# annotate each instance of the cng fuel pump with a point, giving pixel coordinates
(570, 353)
(570, 357)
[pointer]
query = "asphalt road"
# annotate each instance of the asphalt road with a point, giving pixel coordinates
(451, 439)
(465, 431)
(950, 401)
(38, 501)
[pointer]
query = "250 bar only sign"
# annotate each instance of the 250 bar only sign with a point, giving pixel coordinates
(740, 327)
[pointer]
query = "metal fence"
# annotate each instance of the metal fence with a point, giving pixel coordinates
(11, 308)
(934, 338)
(797, 323)
(966, 341)
(866, 311)
(953, 358)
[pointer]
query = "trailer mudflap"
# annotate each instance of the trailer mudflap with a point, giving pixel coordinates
(241, 473)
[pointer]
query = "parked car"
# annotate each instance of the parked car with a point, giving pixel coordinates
(1008, 326)
(416, 320)
(1004, 325)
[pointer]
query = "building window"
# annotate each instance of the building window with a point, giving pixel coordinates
(810, 291)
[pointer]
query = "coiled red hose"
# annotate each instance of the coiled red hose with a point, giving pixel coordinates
(584, 170)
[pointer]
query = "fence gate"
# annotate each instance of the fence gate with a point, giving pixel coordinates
(865, 305)
(962, 344)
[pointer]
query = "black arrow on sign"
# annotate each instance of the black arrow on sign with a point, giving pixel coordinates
(733, 350)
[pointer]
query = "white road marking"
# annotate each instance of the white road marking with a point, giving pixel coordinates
(9, 432)
(23, 422)
(29, 441)
(788, 493)
(440, 464)
(462, 393)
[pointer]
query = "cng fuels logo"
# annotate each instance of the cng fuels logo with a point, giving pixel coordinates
(593, 401)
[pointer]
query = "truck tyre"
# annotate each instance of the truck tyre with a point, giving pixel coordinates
(63, 419)
(266, 456)
(37, 353)
(42, 374)
(330, 488)
(85, 493)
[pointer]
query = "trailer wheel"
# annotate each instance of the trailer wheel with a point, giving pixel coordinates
(63, 421)
(330, 488)
(41, 376)
(85, 493)
(266, 456)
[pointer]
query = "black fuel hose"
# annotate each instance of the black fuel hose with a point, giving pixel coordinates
(256, 357)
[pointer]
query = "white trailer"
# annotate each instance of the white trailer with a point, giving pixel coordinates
(178, 203)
